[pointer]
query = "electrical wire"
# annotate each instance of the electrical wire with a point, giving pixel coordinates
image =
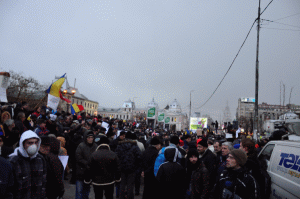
(280, 23)
(287, 17)
(266, 7)
(229, 67)
(280, 29)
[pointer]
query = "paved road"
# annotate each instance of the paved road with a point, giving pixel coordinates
(71, 188)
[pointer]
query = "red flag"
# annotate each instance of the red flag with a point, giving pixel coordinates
(61, 97)
(80, 107)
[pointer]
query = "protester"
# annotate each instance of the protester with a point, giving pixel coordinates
(103, 170)
(209, 160)
(174, 143)
(55, 186)
(148, 161)
(130, 157)
(41, 129)
(171, 176)
(6, 179)
(197, 176)
(26, 161)
(83, 154)
(235, 181)
(226, 148)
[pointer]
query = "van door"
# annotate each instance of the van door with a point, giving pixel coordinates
(284, 170)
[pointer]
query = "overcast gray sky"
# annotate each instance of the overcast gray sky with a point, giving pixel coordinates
(121, 49)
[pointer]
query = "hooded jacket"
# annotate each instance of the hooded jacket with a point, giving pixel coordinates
(29, 172)
(103, 167)
(171, 176)
(83, 154)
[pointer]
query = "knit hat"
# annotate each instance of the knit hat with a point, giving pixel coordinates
(45, 140)
(192, 152)
(239, 155)
(129, 135)
(203, 142)
(155, 141)
(103, 140)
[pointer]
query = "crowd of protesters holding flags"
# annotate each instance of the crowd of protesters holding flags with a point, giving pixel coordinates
(114, 159)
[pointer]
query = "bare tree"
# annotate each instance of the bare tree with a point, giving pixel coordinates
(23, 88)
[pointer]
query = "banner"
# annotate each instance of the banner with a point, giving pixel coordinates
(151, 112)
(4, 82)
(53, 102)
(197, 123)
(167, 120)
(161, 117)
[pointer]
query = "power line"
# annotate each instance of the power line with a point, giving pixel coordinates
(281, 29)
(280, 23)
(229, 67)
(266, 7)
(287, 16)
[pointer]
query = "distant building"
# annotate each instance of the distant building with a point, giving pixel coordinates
(90, 107)
(171, 117)
(246, 110)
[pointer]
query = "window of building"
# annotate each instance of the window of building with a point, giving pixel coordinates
(88, 105)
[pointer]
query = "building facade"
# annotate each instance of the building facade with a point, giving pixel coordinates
(246, 110)
(73, 94)
(170, 118)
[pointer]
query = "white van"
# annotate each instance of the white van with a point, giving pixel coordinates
(283, 160)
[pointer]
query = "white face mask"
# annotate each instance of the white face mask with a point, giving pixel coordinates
(31, 150)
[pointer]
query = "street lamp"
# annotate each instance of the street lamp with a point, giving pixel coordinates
(65, 93)
(190, 106)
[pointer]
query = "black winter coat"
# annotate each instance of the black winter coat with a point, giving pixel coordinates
(200, 183)
(54, 185)
(209, 159)
(239, 182)
(82, 155)
(103, 167)
(129, 155)
(171, 177)
(150, 182)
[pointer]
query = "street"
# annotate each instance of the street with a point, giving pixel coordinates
(71, 188)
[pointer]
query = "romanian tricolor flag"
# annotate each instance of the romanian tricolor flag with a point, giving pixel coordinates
(54, 93)
(75, 108)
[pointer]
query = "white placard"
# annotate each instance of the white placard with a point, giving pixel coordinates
(53, 102)
(228, 135)
(64, 160)
(3, 97)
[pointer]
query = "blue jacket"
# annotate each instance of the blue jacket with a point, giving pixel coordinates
(161, 157)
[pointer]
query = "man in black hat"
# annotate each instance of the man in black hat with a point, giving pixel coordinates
(209, 159)
(235, 181)
(148, 160)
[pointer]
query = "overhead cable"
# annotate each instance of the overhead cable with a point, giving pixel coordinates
(229, 66)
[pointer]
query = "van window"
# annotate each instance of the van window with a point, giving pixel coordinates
(265, 156)
(267, 152)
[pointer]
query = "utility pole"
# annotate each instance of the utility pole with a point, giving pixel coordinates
(190, 106)
(257, 77)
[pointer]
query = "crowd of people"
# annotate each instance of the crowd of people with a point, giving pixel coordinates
(113, 160)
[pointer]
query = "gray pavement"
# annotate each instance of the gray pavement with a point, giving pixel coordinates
(71, 188)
